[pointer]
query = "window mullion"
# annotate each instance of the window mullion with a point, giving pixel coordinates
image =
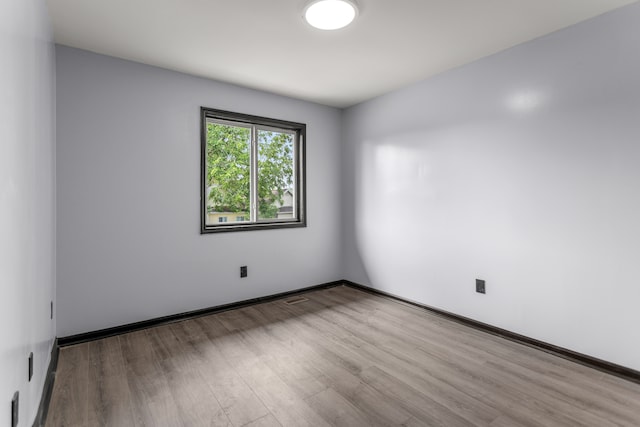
(254, 174)
(296, 144)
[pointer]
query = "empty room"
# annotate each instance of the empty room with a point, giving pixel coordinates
(320, 213)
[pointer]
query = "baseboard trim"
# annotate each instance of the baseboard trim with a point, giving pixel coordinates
(583, 359)
(47, 389)
(118, 330)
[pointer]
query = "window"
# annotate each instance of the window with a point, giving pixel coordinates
(253, 171)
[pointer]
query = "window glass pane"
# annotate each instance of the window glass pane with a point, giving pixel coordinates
(251, 169)
(228, 173)
(275, 175)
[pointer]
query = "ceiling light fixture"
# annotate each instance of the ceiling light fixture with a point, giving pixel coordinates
(330, 14)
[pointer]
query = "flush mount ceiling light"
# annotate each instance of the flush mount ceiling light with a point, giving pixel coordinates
(330, 14)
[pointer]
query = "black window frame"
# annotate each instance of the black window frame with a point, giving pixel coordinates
(300, 130)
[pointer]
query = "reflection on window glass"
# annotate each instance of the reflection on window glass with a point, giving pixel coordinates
(275, 175)
(228, 172)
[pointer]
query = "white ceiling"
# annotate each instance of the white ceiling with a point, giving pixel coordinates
(265, 44)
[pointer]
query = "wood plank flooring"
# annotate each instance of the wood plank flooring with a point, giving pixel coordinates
(343, 358)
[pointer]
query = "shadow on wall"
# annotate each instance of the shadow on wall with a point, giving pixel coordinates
(521, 169)
(538, 203)
(421, 206)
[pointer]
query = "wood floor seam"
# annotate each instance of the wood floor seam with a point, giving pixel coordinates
(344, 357)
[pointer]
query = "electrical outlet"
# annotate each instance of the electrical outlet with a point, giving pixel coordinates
(480, 286)
(243, 271)
(14, 409)
(30, 365)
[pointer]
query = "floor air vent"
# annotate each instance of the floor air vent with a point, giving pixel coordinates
(296, 300)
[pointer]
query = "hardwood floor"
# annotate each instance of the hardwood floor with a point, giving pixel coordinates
(344, 357)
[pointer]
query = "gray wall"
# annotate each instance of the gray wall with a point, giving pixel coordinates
(522, 169)
(27, 202)
(129, 243)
